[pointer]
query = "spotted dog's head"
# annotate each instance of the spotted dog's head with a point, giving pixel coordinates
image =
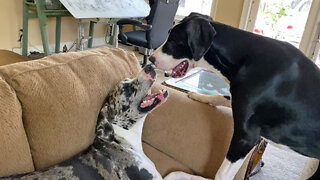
(187, 43)
(129, 102)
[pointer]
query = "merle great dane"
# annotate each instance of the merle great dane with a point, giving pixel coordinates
(274, 86)
(116, 152)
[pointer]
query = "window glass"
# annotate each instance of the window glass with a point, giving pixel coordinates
(188, 6)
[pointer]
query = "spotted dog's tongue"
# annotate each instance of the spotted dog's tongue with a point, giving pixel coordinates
(180, 70)
(150, 99)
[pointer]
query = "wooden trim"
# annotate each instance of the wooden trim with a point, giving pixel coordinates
(249, 14)
(253, 15)
(309, 38)
(214, 8)
(245, 14)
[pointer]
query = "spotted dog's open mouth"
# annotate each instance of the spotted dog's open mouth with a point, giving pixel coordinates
(153, 100)
(180, 70)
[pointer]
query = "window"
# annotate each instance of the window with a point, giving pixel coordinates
(282, 19)
(188, 6)
(294, 21)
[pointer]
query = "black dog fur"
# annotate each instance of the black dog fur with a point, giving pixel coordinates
(274, 86)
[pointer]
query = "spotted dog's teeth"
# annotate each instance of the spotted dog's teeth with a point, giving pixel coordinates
(144, 101)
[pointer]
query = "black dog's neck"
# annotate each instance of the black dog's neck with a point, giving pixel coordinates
(224, 53)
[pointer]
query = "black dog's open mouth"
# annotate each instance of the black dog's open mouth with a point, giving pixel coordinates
(152, 100)
(180, 70)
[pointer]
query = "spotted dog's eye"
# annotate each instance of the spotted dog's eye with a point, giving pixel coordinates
(128, 89)
(169, 30)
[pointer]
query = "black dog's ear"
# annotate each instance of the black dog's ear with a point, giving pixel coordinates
(200, 36)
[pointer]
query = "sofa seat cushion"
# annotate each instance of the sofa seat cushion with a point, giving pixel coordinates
(61, 96)
(196, 134)
(164, 163)
(15, 156)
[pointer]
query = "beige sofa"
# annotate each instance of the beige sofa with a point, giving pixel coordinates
(49, 107)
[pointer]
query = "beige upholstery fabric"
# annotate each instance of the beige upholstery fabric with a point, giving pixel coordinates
(61, 97)
(15, 154)
(195, 134)
(163, 162)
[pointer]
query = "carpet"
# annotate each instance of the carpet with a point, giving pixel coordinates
(280, 164)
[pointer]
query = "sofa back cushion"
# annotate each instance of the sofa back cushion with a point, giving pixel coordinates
(15, 154)
(61, 96)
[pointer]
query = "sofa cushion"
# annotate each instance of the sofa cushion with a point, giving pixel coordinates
(15, 156)
(61, 96)
(196, 134)
(164, 163)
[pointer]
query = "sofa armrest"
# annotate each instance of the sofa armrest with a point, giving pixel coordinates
(195, 134)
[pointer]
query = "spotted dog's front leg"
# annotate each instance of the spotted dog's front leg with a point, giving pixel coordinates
(213, 100)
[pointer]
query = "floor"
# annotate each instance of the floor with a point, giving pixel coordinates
(280, 164)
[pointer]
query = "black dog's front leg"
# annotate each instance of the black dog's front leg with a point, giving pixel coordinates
(238, 151)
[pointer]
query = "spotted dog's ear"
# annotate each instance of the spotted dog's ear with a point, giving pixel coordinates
(200, 36)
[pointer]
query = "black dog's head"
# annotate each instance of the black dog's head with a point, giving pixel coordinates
(187, 43)
(130, 101)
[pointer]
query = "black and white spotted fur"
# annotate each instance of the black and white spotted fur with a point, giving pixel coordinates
(116, 152)
(274, 86)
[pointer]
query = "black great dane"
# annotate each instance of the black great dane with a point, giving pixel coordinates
(274, 86)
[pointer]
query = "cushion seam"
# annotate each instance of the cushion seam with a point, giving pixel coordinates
(169, 156)
(53, 66)
(23, 123)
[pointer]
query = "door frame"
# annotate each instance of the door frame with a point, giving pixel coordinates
(249, 14)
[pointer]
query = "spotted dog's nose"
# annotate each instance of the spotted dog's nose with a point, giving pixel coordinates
(152, 59)
(149, 70)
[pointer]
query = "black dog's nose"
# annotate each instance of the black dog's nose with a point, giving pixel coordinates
(148, 69)
(152, 59)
